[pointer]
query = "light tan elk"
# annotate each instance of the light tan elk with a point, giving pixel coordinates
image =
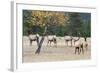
(75, 40)
(68, 39)
(33, 38)
(85, 44)
(80, 46)
(52, 39)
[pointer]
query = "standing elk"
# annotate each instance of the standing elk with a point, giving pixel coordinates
(80, 46)
(75, 40)
(68, 39)
(85, 43)
(52, 38)
(33, 38)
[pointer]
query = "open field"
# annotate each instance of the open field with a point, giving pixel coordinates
(61, 53)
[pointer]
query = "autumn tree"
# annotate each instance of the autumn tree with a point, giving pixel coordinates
(48, 20)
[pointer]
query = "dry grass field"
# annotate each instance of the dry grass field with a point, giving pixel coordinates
(60, 53)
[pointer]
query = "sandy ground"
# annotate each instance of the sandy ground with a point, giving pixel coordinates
(61, 53)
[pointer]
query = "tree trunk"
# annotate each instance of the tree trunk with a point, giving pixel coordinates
(40, 45)
(41, 42)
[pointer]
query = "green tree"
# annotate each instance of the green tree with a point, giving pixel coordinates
(87, 29)
(27, 21)
(75, 24)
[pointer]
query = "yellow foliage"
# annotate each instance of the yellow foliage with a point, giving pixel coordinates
(41, 16)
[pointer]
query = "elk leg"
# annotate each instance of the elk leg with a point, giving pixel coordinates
(71, 43)
(50, 43)
(55, 45)
(74, 43)
(79, 50)
(55, 42)
(76, 48)
(30, 42)
(82, 49)
(86, 46)
(67, 43)
(47, 43)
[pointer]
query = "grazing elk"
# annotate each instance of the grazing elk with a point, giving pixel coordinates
(33, 38)
(50, 39)
(67, 39)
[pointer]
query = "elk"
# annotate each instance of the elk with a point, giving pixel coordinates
(85, 43)
(52, 38)
(33, 38)
(80, 46)
(75, 40)
(67, 39)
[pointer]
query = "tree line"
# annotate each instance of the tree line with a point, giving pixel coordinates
(57, 23)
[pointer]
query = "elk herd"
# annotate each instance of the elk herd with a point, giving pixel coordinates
(79, 45)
